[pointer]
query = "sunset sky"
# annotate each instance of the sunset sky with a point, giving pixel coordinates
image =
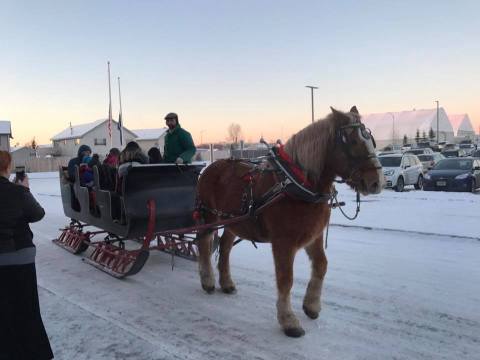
(219, 62)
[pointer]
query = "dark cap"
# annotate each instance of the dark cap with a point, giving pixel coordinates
(171, 116)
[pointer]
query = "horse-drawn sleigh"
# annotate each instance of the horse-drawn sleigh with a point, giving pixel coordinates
(285, 200)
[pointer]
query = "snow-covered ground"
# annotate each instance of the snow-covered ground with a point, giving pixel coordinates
(403, 283)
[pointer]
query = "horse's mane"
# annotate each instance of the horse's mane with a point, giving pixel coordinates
(309, 147)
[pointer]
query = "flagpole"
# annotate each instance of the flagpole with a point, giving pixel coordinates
(109, 106)
(120, 116)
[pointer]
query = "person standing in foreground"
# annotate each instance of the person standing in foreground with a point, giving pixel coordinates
(22, 333)
(179, 147)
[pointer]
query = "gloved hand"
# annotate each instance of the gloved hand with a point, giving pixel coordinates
(179, 161)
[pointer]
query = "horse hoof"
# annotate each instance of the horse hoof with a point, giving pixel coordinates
(294, 332)
(229, 290)
(311, 314)
(208, 289)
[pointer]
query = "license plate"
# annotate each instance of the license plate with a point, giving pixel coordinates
(441, 183)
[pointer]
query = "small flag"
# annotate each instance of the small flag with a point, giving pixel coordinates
(120, 127)
(120, 122)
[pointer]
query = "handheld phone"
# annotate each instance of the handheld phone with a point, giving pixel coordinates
(20, 173)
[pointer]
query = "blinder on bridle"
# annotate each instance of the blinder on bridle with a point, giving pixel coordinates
(366, 133)
(343, 139)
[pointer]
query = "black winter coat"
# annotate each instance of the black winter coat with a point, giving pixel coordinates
(18, 207)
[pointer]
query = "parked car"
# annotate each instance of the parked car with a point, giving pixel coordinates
(454, 153)
(390, 147)
(390, 152)
(401, 170)
(441, 145)
(420, 151)
(455, 174)
(406, 147)
(468, 148)
(476, 154)
(430, 160)
(423, 144)
(450, 146)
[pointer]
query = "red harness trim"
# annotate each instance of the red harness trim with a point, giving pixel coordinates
(294, 168)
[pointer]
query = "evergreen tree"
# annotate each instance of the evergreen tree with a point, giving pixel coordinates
(405, 140)
(431, 134)
(424, 136)
(417, 136)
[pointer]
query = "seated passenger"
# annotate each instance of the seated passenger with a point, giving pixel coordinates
(154, 156)
(131, 155)
(112, 158)
(86, 172)
(83, 150)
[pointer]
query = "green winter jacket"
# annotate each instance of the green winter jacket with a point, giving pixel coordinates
(178, 143)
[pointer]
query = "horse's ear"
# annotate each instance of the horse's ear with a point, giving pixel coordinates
(354, 110)
(335, 111)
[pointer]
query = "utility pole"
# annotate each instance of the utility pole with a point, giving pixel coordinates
(438, 140)
(311, 88)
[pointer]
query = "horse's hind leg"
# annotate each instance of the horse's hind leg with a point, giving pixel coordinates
(311, 301)
(207, 277)
(226, 244)
(283, 257)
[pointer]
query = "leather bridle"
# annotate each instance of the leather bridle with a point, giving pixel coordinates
(356, 162)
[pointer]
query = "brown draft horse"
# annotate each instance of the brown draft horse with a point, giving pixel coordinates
(338, 145)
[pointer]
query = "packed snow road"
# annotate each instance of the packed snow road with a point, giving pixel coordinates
(388, 294)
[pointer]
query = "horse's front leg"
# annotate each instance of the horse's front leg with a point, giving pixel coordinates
(311, 301)
(284, 255)
(226, 244)
(207, 277)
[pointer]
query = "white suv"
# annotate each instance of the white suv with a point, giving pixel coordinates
(401, 170)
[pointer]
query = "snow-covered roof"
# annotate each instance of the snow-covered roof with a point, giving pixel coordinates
(461, 122)
(16, 148)
(78, 131)
(403, 123)
(149, 134)
(5, 128)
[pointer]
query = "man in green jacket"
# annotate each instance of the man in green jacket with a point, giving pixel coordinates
(179, 147)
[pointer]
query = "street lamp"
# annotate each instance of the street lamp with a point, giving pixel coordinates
(311, 88)
(437, 123)
(393, 129)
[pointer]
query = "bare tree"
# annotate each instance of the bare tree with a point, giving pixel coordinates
(234, 132)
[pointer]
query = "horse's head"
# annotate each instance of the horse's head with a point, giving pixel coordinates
(354, 153)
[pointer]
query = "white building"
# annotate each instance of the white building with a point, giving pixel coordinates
(21, 154)
(148, 138)
(462, 126)
(94, 134)
(391, 127)
(5, 135)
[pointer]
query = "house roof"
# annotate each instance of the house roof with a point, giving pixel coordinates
(407, 123)
(461, 122)
(78, 131)
(17, 148)
(5, 128)
(149, 134)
